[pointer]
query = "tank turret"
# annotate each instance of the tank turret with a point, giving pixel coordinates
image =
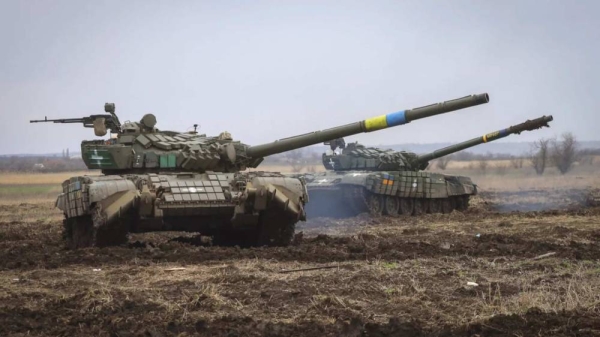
(139, 147)
(358, 157)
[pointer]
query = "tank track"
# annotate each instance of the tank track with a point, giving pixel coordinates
(357, 200)
(83, 232)
(275, 229)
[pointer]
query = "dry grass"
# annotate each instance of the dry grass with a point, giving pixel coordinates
(524, 183)
(33, 187)
(493, 163)
(34, 212)
(11, 194)
(40, 178)
(579, 290)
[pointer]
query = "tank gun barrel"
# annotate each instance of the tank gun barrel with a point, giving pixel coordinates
(367, 125)
(529, 125)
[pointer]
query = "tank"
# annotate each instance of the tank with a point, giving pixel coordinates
(156, 180)
(365, 179)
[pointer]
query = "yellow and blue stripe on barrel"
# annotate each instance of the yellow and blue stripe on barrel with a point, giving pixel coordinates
(385, 121)
(495, 135)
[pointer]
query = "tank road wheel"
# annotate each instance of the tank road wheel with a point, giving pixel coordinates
(375, 204)
(406, 206)
(435, 206)
(275, 228)
(392, 205)
(419, 207)
(447, 206)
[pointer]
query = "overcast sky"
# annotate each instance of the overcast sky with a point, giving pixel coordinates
(268, 70)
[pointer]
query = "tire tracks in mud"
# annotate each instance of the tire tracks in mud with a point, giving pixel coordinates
(46, 250)
(533, 323)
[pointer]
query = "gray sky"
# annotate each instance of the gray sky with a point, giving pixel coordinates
(267, 70)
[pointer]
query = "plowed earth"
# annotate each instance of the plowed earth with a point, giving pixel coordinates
(536, 274)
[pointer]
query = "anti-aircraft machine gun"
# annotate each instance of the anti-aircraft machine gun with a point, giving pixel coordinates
(165, 180)
(100, 123)
(362, 179)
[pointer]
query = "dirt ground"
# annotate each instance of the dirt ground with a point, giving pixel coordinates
(495, 270)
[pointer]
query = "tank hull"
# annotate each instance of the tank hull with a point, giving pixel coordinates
(349, 193)
(250, 209)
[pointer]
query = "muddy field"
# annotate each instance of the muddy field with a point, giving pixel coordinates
(536, 273)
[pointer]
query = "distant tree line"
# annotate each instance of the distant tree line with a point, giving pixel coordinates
(41, 164)
(562, 153)
(298, 159)
(470, 156)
